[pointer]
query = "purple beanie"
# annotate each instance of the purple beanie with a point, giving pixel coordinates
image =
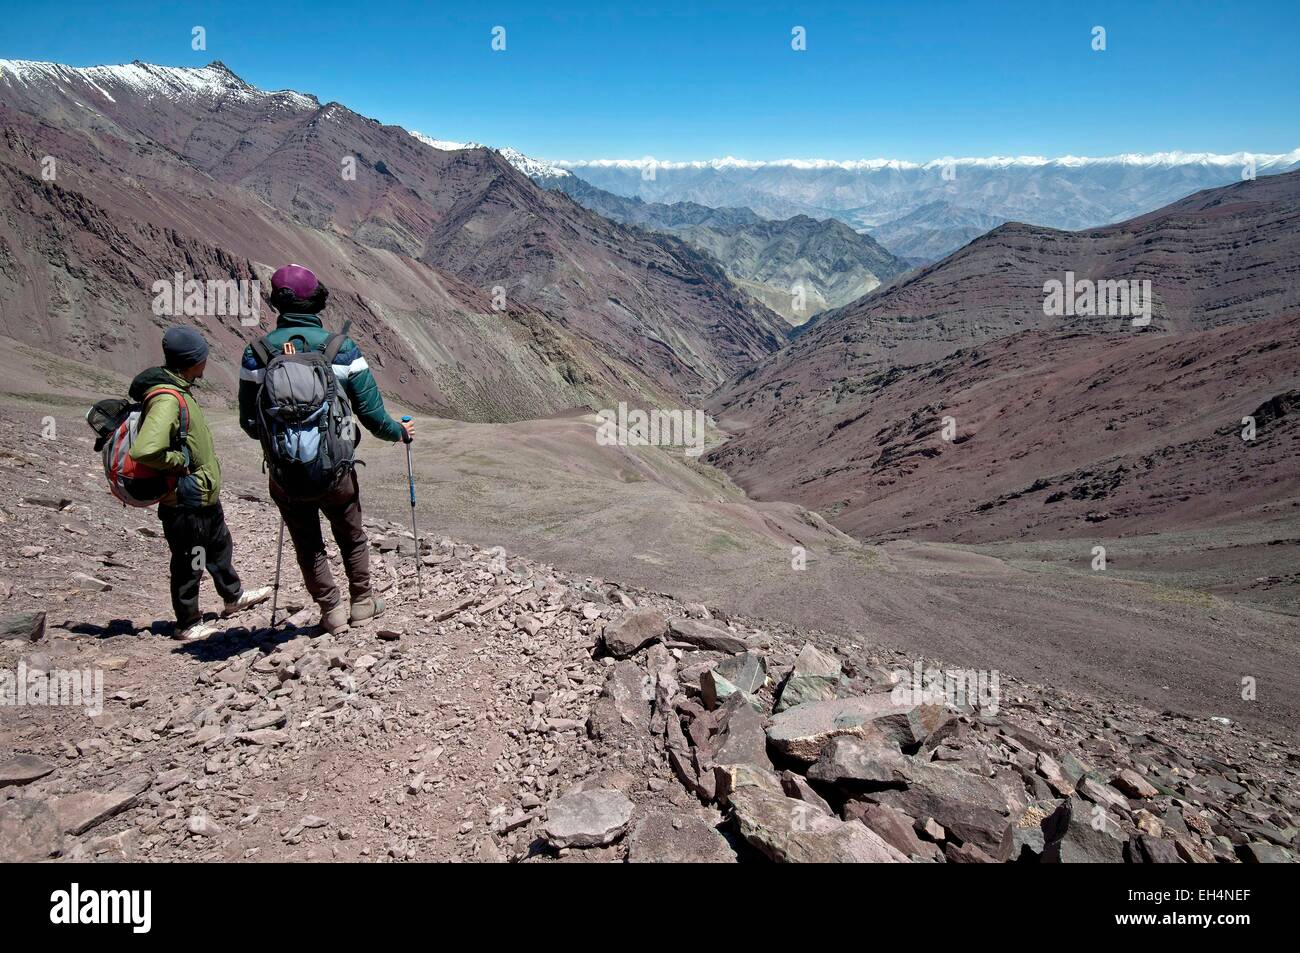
(296, 279)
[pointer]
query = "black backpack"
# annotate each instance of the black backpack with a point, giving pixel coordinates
(304, 420)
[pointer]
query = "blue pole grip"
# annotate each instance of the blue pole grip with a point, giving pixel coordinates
(410, 473)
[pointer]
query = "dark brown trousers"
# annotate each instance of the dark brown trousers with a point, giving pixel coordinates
(342, 507)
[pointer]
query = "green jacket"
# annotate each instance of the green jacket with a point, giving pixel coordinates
(156, 440)
(350, 368)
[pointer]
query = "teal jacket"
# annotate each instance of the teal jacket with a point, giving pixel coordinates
(350, 367)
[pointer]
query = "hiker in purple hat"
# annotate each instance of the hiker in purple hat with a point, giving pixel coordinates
(311, 472)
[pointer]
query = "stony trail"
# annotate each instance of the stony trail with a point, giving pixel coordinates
(519, 713)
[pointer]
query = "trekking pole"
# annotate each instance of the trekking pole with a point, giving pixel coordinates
(279, 555)
(410, 476)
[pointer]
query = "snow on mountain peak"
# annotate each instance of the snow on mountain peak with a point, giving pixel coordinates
(214, 81)
(1161, 159)
(446, 145)
(533, 168)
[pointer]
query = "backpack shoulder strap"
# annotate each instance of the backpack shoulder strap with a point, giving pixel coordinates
(184, 409)
(262, 349)
(334, 343)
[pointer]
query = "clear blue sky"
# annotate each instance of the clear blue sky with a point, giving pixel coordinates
(698, 80)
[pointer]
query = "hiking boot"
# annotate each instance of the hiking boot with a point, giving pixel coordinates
(334, 620)
(365, 609)
(247, 599)
(199, 630)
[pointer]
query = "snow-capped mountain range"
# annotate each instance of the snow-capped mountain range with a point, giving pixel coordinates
(1164, 159)
(214, 81)
(1066, 192)
(533, 168)
(935, 206)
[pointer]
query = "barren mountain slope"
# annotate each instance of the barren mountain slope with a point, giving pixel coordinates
(1052, 435)
(864, 390)
(830, 262)
(239, 180)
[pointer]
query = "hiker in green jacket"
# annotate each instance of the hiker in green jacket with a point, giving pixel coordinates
(193, 521)
(299, 298)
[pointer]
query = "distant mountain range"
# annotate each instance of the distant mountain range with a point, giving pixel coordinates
(798, 267)
(473, 291)
(1057, 421)
(933, 231)
(1068, 192)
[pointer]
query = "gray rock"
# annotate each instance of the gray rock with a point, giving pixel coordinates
(970, 807)
(79, 812)
(1260, 852)
(814, 677)
(1079, 832)
(622, 710)
(791, 831)
(1054, 775)
(23, 769)
(894, 827)
(741, 737)
(625, 636)
(803, 731)
(1145, 849)
(201, 825)
(746, 672)
(872, 760)
(1027, 837)
(797, 787)
(1103, 794)
(664, 838)
(587, 818)
(729, 778)
(29, 832)
(1133, 784)
(704, 635)
(28, 626)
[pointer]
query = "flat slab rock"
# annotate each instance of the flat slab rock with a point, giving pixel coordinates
(29, 832)
(706, 635)
(587, 818)
(814, 677)
(28, 626)
(791, 831)
(79, 812)
(624, 637)
(803, 731)
(662, 837)
(23, 769)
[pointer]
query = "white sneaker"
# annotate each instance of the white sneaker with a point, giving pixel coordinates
(199, 630)
(247, 599)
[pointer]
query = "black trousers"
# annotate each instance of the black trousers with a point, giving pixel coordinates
(198, 539)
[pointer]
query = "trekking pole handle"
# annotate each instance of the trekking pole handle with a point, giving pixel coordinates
(410, 471)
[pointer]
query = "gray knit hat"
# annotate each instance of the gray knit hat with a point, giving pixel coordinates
(184, 347)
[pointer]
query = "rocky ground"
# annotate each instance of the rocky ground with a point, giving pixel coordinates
(516, 713)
